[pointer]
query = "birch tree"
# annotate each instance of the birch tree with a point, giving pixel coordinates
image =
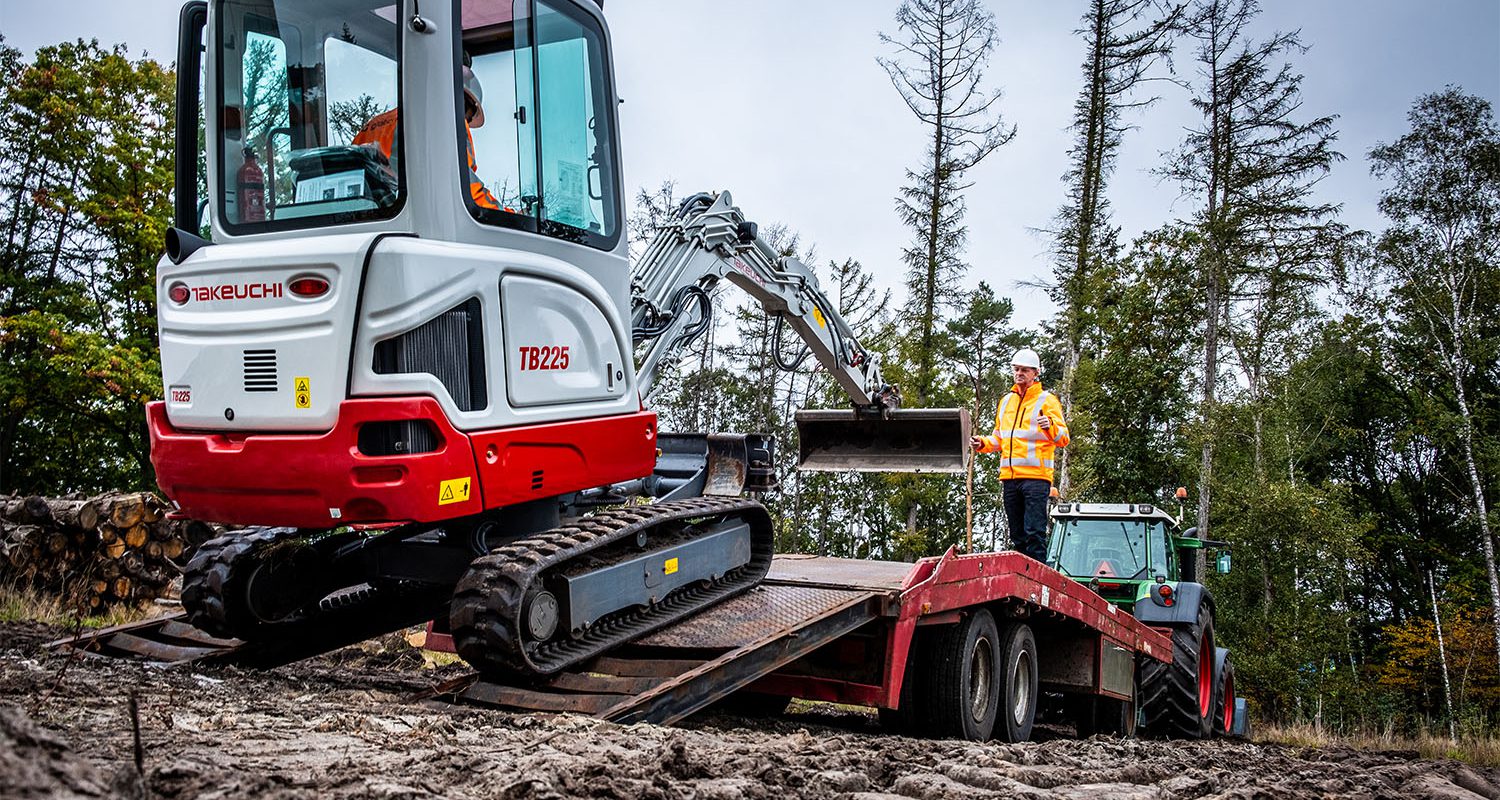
(1443, 251)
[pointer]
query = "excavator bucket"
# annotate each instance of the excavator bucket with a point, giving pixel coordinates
(904, 440)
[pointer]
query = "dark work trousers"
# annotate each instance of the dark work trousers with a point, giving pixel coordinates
(1026, 515)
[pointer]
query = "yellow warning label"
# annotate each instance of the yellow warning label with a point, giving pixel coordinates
(669, 567)
(302, 388)
(454, 491)
(818, 315)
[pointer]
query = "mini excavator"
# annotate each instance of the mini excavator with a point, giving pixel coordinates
(418, 370)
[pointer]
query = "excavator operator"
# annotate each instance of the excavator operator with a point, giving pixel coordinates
(380, 132)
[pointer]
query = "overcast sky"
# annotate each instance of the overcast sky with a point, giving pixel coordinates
(782, 103)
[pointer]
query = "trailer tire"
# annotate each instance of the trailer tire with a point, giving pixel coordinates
(1224, 698)
(957, 693)
(1018, 684)
(1177, 699)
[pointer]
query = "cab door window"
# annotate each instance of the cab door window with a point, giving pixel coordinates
(546, 149)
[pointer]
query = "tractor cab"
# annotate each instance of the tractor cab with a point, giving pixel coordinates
(1124, 550)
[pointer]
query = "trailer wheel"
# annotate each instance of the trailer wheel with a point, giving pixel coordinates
(958, 693)
(1224, 698)
(1018, 684)
(1177, 699)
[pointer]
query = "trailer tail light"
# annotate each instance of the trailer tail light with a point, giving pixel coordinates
(178, 293)
(1165, 592)
(308, 286)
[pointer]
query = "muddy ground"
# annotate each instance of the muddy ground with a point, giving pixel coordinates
(343, 726)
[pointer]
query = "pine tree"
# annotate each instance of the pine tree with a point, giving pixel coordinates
(939, 71)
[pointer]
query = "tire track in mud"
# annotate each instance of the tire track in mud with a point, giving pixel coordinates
(339, 727)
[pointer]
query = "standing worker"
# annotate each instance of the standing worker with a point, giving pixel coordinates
(1029, 427)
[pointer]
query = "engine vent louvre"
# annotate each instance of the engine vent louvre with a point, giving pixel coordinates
(260, 370)
(398, 438)
(449, 347)
(536, 480)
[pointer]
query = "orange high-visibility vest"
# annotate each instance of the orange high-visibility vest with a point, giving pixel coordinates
(1026, 451)
(381, 132)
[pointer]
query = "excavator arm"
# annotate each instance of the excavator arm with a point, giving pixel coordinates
(708, 241)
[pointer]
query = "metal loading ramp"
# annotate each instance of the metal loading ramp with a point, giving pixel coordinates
(671, 674)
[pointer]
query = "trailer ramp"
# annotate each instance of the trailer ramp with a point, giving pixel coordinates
(675, 672)
(348, 618)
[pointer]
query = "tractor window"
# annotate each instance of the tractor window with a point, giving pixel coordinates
(544, 147)
(305, 106)
(1104, 548)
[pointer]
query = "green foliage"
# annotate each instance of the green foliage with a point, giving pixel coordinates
(85, 197)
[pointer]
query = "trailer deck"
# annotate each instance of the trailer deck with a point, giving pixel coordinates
(819, 628)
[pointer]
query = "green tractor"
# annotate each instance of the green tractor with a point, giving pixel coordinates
(1134, 556)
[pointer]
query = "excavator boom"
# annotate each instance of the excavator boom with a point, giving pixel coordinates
(709, 240)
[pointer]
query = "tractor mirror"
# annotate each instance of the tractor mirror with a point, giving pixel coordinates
(1222, 565)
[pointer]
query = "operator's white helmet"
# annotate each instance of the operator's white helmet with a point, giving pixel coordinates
(1026, 357)
(474, 92)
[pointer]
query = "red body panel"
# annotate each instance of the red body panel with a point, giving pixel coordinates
(519, 464)
(317, 480)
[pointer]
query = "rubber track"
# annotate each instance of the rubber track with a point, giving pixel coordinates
(486, 609)
(208, 575)
(1169, 692)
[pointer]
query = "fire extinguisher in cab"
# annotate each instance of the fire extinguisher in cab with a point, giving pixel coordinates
(251, 185)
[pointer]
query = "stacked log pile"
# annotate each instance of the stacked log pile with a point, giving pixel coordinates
(96, 551)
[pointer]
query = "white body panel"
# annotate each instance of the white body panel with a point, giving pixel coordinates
(204, 341)
(411, 281)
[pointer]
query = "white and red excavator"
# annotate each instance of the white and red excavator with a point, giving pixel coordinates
(419, 371)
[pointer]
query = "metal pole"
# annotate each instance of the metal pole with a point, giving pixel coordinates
(969, 506)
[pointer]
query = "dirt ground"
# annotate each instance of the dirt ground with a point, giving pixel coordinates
(344, 726)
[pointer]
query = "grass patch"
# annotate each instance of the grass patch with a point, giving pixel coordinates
(1483, 751)
(26, 604)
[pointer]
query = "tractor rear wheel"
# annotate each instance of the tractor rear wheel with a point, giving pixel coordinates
(1018, 683)
(1224, 698)
(958, 691)
(1177, 699)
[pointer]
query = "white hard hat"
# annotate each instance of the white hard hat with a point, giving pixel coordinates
(474, 92)
(1026, 357)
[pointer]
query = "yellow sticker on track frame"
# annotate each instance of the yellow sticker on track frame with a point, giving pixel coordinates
(669, 567)
(453, 491)
(302, 391)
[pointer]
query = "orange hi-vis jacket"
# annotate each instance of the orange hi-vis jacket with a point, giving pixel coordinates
(1026, 451)
(381, 132)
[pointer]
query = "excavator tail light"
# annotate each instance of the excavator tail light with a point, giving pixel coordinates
(308, 286)
(178, 293)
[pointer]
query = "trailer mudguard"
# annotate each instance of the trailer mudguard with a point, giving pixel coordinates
(1184, 608)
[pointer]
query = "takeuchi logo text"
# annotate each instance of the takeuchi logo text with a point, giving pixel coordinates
(238, 291)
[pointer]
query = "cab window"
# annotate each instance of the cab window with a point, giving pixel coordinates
(543, 153)
(1102, 548)
(299, 81)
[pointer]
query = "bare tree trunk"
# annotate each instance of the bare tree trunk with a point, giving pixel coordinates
(1437, 620)
(1481, 510)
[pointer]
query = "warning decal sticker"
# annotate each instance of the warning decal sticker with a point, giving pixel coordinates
(302, 391)
(453, 491)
